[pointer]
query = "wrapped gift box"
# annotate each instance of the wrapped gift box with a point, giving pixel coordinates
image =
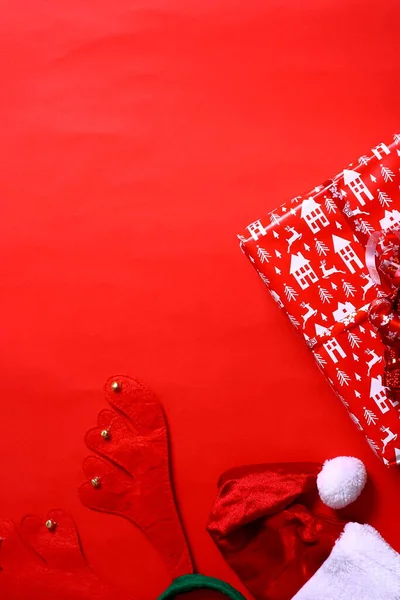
(310, 253)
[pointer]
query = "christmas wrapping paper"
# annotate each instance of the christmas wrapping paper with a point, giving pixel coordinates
(310, 253)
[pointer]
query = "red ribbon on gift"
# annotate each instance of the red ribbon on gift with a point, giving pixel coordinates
(384, 311)
(382, 258)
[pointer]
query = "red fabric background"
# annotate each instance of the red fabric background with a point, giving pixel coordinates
(137, 139)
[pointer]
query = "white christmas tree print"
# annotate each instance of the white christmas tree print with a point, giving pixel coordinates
(362, 329)
(363, 160)
(357, 394)
(278, 254)
(348, 289)
(383, 198)
(338, 225)
(324, 317)
(387, 174)
(372, 178)
(274, 218)
(356, 358)
(277, 271)
(372, 333)
(353, 339)
(325, 295)
(290, 293)
(321, 248)
(363, 226)
(373, 445)
(284, 209)
(321, 361)
(275, 234)
(370, 417)
(342, 400)
(342, 377)
(265, 279)
(263, 254)
(357, 376)
(330, 205)
(307, 247)
(294, 321)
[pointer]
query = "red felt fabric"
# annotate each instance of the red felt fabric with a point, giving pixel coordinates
(135, 480)
(39, 564)
(137, 139)
(272, 528)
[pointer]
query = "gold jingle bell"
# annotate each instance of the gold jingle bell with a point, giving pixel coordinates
(116, 386)
(50, 524)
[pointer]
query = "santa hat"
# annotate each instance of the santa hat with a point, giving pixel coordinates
(361, 566)
(276, 524)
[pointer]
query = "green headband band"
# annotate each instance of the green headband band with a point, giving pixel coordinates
(189, 583)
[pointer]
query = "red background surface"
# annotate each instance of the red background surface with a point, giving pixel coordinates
(137, 139)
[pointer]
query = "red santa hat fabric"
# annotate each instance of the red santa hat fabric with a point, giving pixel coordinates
(272, 528)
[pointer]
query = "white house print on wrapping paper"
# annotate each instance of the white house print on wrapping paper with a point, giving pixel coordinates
(333, 348)
(379, 149)
(357, 186)
(321, 331)
(343, 310)
(378, 395)
(391, 220)
(346, 253)
(256, 229)
(302, 271)
(313, 215)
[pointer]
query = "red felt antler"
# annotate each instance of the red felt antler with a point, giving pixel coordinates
(133, 477)
(44, 560)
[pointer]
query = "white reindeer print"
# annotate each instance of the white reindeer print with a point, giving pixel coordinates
(389, 437)
(311, 312)
(374, 360)
(295, 236)
(368, 285)
(352, 213)
(328, 272)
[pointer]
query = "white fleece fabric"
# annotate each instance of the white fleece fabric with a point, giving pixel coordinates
(361, 566)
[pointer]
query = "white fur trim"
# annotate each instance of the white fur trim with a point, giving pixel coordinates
(361, 566)
(341, 481)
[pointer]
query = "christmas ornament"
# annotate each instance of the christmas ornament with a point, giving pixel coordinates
(341, 481)
(310, 253)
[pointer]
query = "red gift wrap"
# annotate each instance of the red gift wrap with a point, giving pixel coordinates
(310, 253)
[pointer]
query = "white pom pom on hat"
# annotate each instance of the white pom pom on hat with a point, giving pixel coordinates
(341, 481)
